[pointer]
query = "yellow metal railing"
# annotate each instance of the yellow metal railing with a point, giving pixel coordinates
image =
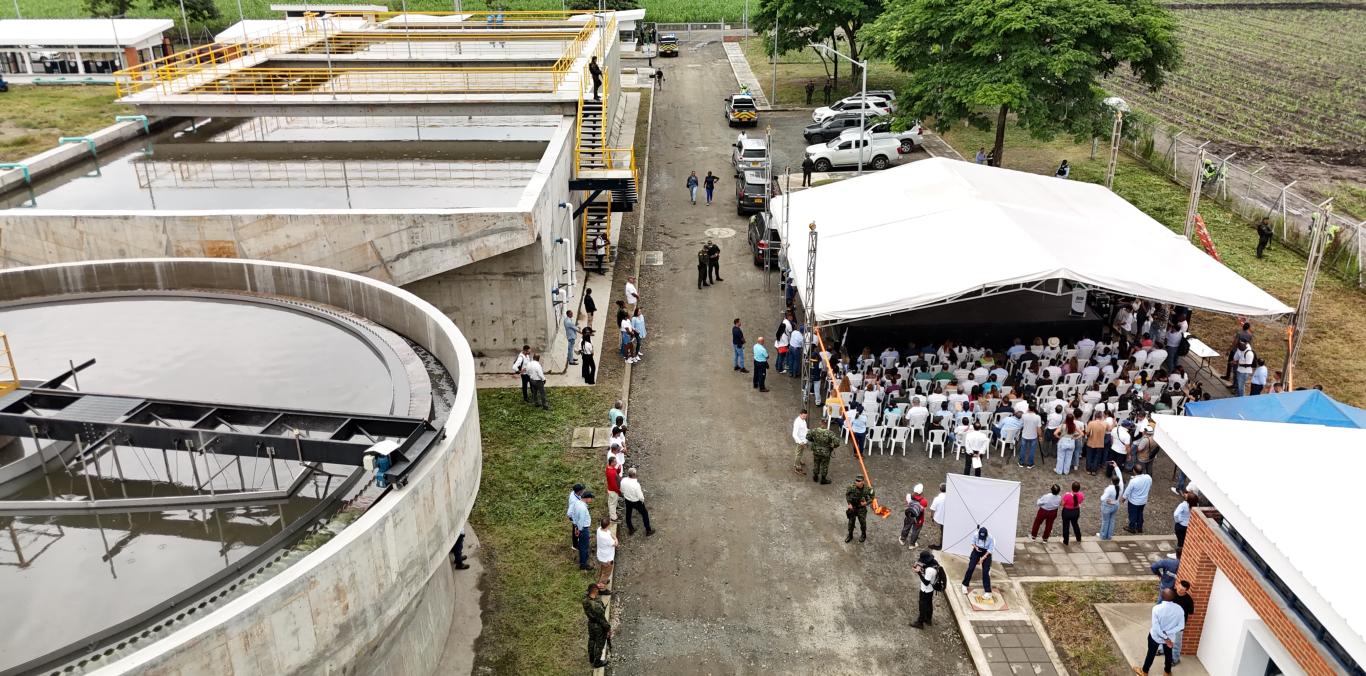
(292, 35)
(585, 245)
(369, 80)
(9, 376)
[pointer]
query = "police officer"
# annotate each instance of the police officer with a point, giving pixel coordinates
(599, 628)
(702, 266)
(808, 166)
(713, 261)
(981, 552)
(858, 495)
(810, 89)
(823, 443)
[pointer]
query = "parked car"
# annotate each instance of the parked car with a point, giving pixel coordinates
(839, 153)
(740, 109)
(832, 127)
(668, 45)
(909, 139)
(764, 241)
(751, 153)
(872, 106)
(750, 195)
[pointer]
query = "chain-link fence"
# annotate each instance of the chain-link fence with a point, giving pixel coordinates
(1249, 194)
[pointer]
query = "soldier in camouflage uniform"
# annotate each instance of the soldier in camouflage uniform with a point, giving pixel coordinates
(858, 495)
(599, 628)
(823, 443)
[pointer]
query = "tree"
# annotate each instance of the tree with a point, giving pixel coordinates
(801, 22)
(108, 8)
(612, 5)
(1040, 59)
(196, 11)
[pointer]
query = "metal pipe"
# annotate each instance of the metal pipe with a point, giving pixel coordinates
(42, 462)
(118, 468)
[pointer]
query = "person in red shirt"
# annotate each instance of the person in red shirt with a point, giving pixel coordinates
(910, 532)
(613, 487)
(1071, 512)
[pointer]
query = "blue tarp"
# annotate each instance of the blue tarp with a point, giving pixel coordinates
(1304, 407)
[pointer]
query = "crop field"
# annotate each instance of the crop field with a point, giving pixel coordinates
(1274, 79)
(666, 11)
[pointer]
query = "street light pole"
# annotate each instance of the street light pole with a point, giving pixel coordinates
(1120, 107)
(863, 95)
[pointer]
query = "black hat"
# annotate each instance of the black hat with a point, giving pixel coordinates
(586, 495)
(578, 488)
(926, 557)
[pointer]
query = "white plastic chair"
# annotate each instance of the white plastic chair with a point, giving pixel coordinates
(917, 426)
(832, 413)
(936, 439)
(958, 446)
(1010, 440)
(899, 436)
(877, 436)
(984, 418)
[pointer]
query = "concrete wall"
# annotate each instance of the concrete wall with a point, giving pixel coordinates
(336, 609)
(62, 155)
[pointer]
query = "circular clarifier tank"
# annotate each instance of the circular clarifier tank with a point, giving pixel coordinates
(67, 576)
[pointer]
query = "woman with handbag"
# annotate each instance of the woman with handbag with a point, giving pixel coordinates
(1067, 435)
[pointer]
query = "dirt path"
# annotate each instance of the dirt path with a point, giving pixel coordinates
(749, 572)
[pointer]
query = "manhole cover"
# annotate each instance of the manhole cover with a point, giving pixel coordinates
(720, 233)
(652, 258)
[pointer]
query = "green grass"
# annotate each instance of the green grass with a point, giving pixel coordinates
(32, 117)
(795, 69)
(533, 620)
(1336, 319)
(1068, 612)
(666, 11)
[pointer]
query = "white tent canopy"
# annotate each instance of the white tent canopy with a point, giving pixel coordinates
(1247, 470)
(938, 230)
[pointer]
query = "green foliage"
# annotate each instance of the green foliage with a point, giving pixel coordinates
(801, 22)
(611, 5)
(197, 11)
(1040, 59)
(115, 8)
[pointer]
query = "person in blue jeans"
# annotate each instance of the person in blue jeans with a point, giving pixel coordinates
(692, 187)
(1030, 426)
(583, 526)
(981, 553)
(710, 184)
(1136, 495)
(760, 364)
(1109, 506)
(737, 343)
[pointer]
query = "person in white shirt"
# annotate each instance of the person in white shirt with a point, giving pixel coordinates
(928, 571)
(889, 357)
(1030, 423)
(1000, 373)
(975, 443)
(519, 367)
(1169, 620)
(536, 375)
(1109, 505)
(799, 438)
(632, 294)
(635, 502)
(937, 400)
(1157, 358)
(607, 550)
(980, 373)
(918, 413)
(937, 513)
(1085, 348)
(1246, 360)
(628, 341)
(958, 401)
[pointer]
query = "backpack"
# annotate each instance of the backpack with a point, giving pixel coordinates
(941, 581)
(1184, 347)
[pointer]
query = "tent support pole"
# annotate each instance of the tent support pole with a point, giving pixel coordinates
(1318, 242)
(810, 310)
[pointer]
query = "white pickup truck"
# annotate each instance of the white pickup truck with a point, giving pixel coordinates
(909, 139)
(844, 153)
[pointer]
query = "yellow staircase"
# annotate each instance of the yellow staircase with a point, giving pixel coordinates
(9, 376)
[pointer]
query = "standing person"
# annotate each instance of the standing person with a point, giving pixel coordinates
(571, 332)
(638, 327)
(613, 473)
(737, 343)
(634, 496)
(857, 496)
(596, 71)
(519, 367)
(590, 307)
(1244, 335)
(981, 553)
(976, 442)
(810, 89)
(590, 364)
(1063, 170)
(1181, 520)
(1183, 599)
(1168, 621)
(607, 550)
(799, 437)
(981, 155)
(914, 512)
(1067, 435)
(1048, 511)
(1247, 358)
(659, 78)
(583, 523)
(808, 166)
(1030, 423)
(795, 342)
(1096, 432)
(916, 497)
(825, 89)
(628, 340)
(1263, 235)
(713, 253)
(784, 332)
(616, 416)
(760, 364)
(1109, 505)
(702, 265)
(600, 250)
(575, 495)
(937, 513)
(599, 628)
(1259, 374)
(1136, 495)
(823, 443)
(1071, 512)
(631, 292)
(536, 373)
(929, 572)
(692, 187)
(709, 185)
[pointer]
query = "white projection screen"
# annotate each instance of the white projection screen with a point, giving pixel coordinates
(978, 501)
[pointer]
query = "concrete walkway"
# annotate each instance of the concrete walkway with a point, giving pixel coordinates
(1126, 556)
(1003, 635)
(745, 75)
(1129, 624)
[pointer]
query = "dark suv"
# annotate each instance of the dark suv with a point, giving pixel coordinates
(831, 129)
(749, 192)
(764, 240)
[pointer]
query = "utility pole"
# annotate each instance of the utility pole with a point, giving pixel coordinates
(773, 92)
(1193, 205)
(768, 205)
(1120, 107)
(1318, 242)
(863, 108)
(809, 310)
